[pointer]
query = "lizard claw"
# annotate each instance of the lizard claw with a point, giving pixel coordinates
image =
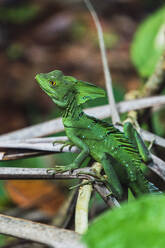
(62, 147)
(70, 146)
(59, 142)
(65, 143)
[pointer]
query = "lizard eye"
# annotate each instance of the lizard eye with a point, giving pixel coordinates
(53, 83)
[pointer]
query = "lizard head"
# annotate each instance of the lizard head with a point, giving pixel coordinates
(52, 83)
(57, 86)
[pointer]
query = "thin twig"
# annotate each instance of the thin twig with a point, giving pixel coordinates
(106, 195)
(12, 154)
(108, 80)
(101, 112)
(158, 167)
(142, 103)
(42, 146)
(37, 232)
(67, 210)
(150, 137)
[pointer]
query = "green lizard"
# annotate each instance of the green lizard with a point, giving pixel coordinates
(121, 154)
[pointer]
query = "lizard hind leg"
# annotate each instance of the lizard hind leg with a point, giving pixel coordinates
(136, 139)
(135, 189)
(108, 163)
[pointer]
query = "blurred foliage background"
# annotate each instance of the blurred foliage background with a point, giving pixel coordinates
(40, 36)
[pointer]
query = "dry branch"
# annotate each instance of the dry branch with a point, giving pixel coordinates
(46, 144)
(43, 173)
(37, 232)
(83, 173)
(101, 112)
(105, 194)
(15, 154)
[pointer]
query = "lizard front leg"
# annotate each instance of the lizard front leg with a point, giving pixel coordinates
(80, 158)
(65, 143)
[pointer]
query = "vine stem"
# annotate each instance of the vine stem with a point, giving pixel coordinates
(107, 75)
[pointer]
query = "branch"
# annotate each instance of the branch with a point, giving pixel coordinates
(47, 147)
(43, 173)
(148, 136)
(158, 166)
(43, 129)
(83, 173)
(14, 154)
(55, 125)
(108, 80)
(42, 144)
(37, 232)
(106, 195)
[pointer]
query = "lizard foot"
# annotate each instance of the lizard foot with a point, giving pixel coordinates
(61, 168)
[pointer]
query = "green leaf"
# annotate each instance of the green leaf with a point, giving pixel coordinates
(147, 46)
(140, 223)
